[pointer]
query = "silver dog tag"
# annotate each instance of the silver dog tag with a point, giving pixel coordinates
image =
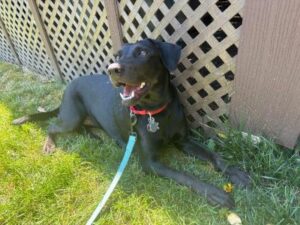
(152, 125)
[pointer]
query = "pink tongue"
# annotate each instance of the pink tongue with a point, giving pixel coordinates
(129, 89)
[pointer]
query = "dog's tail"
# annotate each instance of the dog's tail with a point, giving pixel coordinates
(36, 117)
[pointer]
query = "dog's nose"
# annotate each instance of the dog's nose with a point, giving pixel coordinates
(114, 68)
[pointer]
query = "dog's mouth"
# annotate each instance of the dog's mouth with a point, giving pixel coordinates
(132, 92)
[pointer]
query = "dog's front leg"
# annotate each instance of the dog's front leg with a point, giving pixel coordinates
(49, 145)
(200, 151)
(151, 164)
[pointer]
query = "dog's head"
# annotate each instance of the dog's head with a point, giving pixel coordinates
(141, 67)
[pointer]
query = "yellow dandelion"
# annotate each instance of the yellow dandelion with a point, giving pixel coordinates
(228, 187)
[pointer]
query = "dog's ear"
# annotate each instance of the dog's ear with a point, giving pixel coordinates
(170, 54)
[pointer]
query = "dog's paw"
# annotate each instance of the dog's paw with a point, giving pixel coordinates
(238, 177)
(20, 120)
(221, 198)
(49, 146)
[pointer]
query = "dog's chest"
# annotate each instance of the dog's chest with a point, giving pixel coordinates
(173, 125)
(168, 126)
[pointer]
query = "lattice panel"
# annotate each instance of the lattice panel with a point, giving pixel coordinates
(79, 35)
(25, 36)
(208, 32)
(5, 50)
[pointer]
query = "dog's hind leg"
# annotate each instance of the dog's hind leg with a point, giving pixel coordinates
(71, 116)
(200, 151)
(91, 128)
(62, 126)
(53, 130)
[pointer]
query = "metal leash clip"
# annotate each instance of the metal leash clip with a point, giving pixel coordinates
(133, 121)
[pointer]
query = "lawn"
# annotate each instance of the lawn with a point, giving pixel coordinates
(65, 187)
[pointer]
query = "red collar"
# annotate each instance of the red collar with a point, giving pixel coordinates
(147, 112)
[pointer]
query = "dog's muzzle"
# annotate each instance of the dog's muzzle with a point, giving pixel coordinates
(114, 69)
(131, 91)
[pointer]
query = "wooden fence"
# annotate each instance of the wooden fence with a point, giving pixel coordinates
(267, 87)
(68, 39)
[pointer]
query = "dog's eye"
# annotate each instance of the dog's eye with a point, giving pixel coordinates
(142, 52)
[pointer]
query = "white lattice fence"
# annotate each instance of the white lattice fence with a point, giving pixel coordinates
(25, 37)
(82, 40)
(5, 50)
(79, 35)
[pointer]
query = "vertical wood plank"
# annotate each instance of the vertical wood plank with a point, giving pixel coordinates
(114, 24)
(40, 25)
(9, 41)
(267, 83)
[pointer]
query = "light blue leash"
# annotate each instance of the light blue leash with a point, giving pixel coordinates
(129, 148)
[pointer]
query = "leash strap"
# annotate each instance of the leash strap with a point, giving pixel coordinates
(129, 148)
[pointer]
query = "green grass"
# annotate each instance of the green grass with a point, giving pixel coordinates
(64, 188)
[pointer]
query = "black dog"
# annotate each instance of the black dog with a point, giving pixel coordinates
(145, 94)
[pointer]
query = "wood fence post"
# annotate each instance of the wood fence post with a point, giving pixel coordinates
(10, 42)
(44, 36)
(114, 24)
